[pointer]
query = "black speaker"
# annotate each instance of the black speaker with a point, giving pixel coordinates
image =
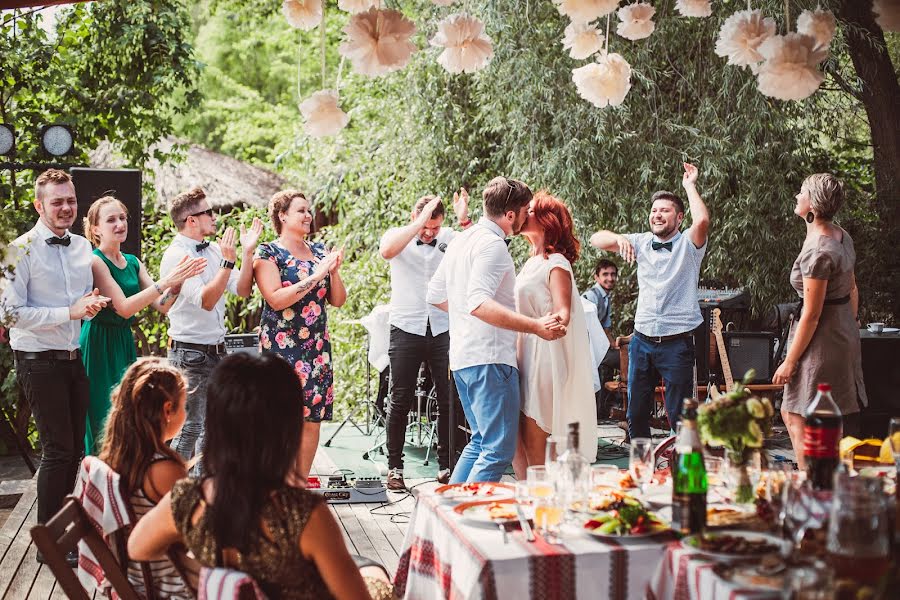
(750, 350)
(242, 342)
(124, 184)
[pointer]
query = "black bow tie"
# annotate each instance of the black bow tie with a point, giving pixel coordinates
(59, 241)
(661, 245)
(432, 243)
(507, 241)
(204, 245)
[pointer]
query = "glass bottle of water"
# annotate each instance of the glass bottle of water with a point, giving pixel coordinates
(574, 470)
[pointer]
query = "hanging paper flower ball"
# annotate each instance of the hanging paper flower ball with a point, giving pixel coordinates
(791, 69)
(323, 115)
(466, 48)
(585, 11)
(693, 8)
(378, 41)
(302, 14)
(887, 14)
(818, 24)
(356, 6)
(741, 35)
(445, 2)
(582, 40)
(605, 82)
(636, 21)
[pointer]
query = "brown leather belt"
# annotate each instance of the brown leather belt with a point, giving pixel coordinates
(659, 339)
(48, 355)
(207, 348)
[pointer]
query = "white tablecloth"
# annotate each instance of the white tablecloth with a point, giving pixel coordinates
(596, 335)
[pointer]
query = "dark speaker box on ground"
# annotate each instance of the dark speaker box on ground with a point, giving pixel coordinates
(750, 350)
(242, 342)
(124, 184)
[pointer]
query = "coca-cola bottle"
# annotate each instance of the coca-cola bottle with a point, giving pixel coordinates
(821, 438)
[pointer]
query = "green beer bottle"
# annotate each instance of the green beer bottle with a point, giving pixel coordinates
(688, 475)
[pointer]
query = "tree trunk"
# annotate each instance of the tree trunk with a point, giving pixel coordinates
(880, 95)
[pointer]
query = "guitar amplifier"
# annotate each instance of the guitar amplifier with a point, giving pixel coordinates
(242, 342)
(750, 350)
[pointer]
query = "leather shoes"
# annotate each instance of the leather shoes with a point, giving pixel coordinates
(395, 481)
(443, 476)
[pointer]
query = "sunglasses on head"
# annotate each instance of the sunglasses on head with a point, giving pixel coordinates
(208, 212)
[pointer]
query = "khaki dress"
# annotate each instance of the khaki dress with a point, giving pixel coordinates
(833, 355)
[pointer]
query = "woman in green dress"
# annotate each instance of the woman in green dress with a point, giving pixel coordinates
(107, 343)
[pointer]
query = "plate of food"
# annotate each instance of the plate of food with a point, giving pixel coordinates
(488, 512)
(469, 492)
(603, 499)
(732, 545)
(631, 521)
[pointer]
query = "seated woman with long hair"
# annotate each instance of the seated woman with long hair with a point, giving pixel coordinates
(147, 410)
(243, 515)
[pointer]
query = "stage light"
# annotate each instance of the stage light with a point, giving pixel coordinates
(57, 140)
(7, 139)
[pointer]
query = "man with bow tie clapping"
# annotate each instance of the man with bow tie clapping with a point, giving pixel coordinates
(668, 311)
(51, 291)
(197, 319)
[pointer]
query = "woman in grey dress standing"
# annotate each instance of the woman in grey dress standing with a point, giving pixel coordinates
(823, 345)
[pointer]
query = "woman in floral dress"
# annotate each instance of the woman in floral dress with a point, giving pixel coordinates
(296, 279)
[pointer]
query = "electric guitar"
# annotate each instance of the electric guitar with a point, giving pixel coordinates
(720, 343)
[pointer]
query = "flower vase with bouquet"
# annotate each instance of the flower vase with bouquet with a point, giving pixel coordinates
(738, 422)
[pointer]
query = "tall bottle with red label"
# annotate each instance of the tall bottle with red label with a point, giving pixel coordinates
(821, 438)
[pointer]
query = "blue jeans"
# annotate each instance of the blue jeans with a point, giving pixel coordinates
(489, 395)
(673, 360)
(196, 366)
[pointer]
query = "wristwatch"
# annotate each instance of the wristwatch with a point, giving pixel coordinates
(226, 264)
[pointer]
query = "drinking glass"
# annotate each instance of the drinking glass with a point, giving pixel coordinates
(540, 482)
(640, 461)
(603, 475)
(802, 508)
(522, 492)
(548, 516)
(894, 433)
(858, 533)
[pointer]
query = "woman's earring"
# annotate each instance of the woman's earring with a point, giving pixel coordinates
(810, 217)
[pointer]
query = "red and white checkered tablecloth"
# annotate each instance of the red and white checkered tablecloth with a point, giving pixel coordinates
(445, 557)
(683, 574)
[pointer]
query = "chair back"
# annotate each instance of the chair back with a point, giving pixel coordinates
(662, 454)
(61, 534)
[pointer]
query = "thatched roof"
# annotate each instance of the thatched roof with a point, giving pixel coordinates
(226, 181)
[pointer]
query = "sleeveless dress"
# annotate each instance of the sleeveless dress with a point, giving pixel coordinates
(107, 349)
(299, 333)
(556, 377)
(833, 355)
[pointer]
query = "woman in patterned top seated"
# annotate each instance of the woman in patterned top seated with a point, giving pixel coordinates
(282, 536)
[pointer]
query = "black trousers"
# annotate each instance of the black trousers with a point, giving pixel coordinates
(59, 395)
(407, 352)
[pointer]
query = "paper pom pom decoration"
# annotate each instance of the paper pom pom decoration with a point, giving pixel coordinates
(693, 8)
(790, 70)
(323, 115)
(818, 24)
(356, 6)
(636, 21)
(605, 82)
(740, 37)
(585, 11)
(887, 14)
(466, 48)
(378, 41)
(302, 14)
(445, 2)
(582, 40)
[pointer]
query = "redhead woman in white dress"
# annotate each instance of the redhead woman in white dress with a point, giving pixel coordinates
(556, 376)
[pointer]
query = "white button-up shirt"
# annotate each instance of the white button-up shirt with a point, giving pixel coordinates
(47, 281)
(477, 267)
(667, 285)
(411, 270)
(188, 321)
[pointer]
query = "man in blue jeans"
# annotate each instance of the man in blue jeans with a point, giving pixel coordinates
(475, 284)
(668, 310)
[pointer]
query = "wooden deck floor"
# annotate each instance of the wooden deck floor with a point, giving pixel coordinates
(376, 534)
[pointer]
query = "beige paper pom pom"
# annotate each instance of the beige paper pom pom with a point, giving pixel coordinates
(740, 37)
(636, 21)
(693, 8)
(582, 40)
(887, 14)
(466, 48)
(585, 11)
(302, 14)
(357, 6)
(323, 115)
(378, 41)
(605, 82)
(818, 24)
(790, 70)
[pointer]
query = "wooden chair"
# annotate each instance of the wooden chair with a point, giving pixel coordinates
(61, 535)
(662, 454)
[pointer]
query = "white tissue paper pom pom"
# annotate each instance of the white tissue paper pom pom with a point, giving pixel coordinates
(790, 70)
(636, 21)
(444, 2)
(585, 11)
(887, 14)
(605, 82)
(302, 14)
(740, 37)
(818, 24)
(378, 41)
(356, 6)
(582, 40)
(323, 115)
(466, 48)
(693, 8)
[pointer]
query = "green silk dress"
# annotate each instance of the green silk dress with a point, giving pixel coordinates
(107, 349)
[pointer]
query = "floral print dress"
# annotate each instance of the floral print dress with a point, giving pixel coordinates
(299, 333)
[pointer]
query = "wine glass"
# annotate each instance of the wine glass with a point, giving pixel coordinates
(640, 461)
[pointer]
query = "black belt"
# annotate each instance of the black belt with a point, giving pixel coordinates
(207, 348)
(659, 339)
(48, 355)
